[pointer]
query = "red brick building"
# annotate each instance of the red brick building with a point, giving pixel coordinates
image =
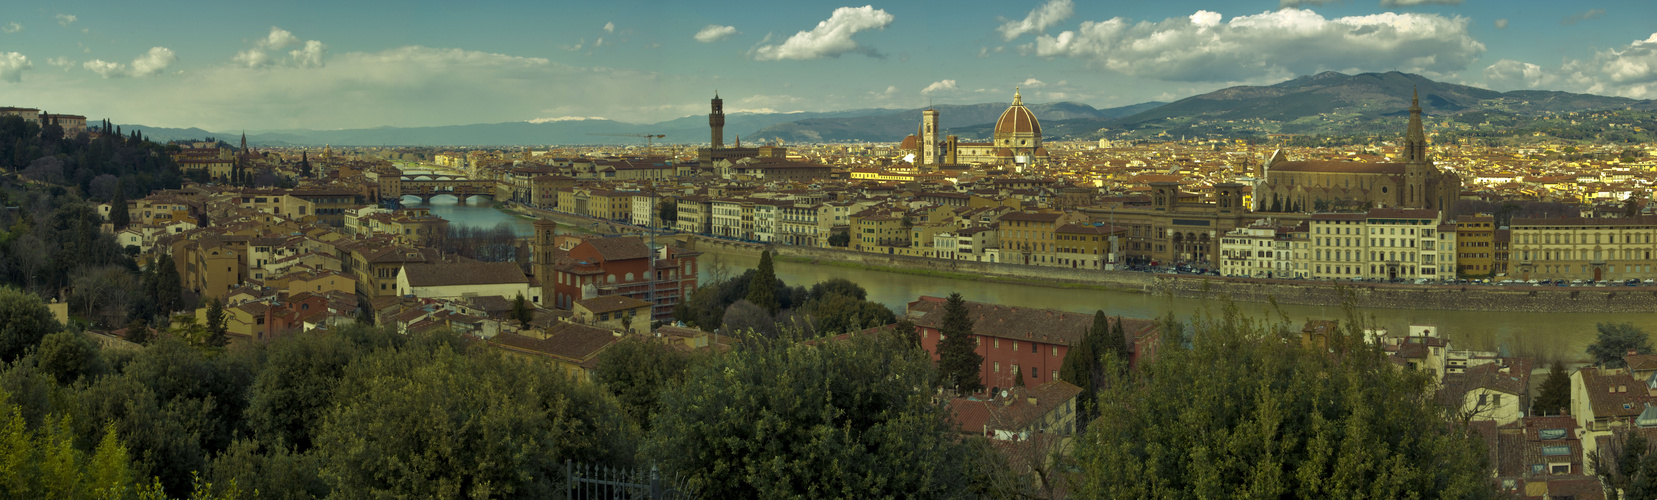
(624, 266)
(1024, 339)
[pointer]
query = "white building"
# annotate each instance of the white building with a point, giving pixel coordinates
(1261, 250)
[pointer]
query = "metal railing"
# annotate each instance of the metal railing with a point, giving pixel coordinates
(588, 481)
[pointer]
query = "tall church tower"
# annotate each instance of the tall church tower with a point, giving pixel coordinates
(716, 121)
(544, 246)
(1418, 169)
(929, 137)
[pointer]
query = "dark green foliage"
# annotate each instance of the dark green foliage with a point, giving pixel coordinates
(522, 312)
(1554, 397)
(217, 334)
(273, 472)
(762, 290)
(841, 420)
(1627, 464)
(840, 239)
(838, 314)
(118, 214)
(1615, 341)
(69, 356)
(289, 396)
(669, 212)
(637, 370)
(427, 420)
(138, 331)
(959, 364)
(24, 320)
(164, 286)
(1237, 415)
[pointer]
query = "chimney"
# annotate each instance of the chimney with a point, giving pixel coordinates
(1032, 400)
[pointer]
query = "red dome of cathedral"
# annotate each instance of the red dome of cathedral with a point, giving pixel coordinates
(1017, 119)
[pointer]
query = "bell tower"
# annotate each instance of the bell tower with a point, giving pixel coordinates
(716, 122)
(929, 138)
(1418, 168)
(544, 247)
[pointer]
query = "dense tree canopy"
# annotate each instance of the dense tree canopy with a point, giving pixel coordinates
(839, 420)
(1614, 343)
(1247, 411)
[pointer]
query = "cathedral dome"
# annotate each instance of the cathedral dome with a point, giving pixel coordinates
(1017, 119)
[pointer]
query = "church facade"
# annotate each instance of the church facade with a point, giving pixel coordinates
(1329, 186)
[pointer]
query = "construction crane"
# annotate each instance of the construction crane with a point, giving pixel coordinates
(649, 139)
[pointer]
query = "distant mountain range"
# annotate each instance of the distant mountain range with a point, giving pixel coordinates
(1328, 103)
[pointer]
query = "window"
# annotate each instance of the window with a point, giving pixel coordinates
(1034, 373)
(1032, 348)
(1560, 469)
(997, 366)
(1055, 352)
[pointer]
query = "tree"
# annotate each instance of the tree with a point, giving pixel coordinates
(841, 419)
(217, 333)
(138, 332)
(1615, 341)
(1554, 397)
(1364, 429)
(670, 212)
(67, 356)
(304, 164)
(522, 312)
(428, 421)
(762, 288)
(959, 363)
(118, 215)
(840, 239)
(1631, 206)
(637, 370)
(24, 320)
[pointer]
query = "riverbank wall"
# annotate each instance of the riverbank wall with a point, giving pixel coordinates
(1309, 293)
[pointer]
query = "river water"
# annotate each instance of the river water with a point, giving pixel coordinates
(1547, 335)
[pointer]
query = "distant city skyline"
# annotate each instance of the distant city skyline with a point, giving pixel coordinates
(320, 65)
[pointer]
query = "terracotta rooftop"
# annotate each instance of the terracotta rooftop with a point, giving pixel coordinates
(471, 273)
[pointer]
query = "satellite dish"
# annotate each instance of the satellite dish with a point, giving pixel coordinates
(1003, 393)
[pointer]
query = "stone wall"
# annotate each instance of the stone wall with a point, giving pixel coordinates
(1314, 293)
(1450, 298)
(1009, 272)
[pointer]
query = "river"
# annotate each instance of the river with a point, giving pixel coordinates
(1546, 335)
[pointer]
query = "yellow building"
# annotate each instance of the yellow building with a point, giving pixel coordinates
(1583, 249)
(1083, 246)
(878, 230)
(1030, 238)
(1476, 246)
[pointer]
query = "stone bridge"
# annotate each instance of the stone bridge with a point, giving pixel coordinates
(461, 188)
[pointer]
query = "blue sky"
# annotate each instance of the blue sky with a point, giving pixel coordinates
(323, 65)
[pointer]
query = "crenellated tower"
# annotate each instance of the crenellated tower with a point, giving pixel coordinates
(716, 122)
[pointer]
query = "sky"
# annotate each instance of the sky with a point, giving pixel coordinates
(260, 66)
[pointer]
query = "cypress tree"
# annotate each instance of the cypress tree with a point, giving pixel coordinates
(522, 312)
(762, 290)
(118, 215)
(959, 363)
(217, 334)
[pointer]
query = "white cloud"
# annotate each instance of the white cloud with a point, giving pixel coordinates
(1270, 45)
(150, 63)
(11, 27)
(1038, 20)
(106, 69)
(713, 33)
(66, 19)
(939, 86)
(1295, 4)
(1031, 83)
(1582, 16)
(308, 54)
(61, 62)
(610, 27)
(566, 119)
(1409, 3)
(1508, 74)
(830, 38)
(12, 66)
(1501, 24)
(278, 39)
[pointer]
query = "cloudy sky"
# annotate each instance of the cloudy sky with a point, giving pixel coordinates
(324, 64)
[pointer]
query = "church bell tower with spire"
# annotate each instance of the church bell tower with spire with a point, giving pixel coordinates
(1418, 168)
